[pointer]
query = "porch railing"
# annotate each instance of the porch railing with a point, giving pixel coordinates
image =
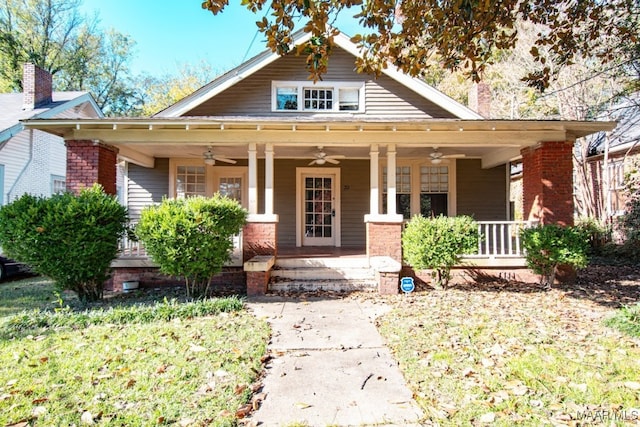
(501, 239)
(132, 249)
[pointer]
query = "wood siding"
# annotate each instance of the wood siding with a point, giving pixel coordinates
(481, 193)
(146, 186)
(384, 97)
(354, 197)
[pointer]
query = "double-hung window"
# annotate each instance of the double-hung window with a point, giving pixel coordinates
(420, 189)
(322, 97)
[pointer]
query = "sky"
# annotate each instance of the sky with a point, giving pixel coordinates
(171, 33)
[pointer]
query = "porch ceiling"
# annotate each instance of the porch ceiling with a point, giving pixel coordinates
(142, 140)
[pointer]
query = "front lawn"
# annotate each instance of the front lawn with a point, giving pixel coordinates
(513, 354)
(121, 362)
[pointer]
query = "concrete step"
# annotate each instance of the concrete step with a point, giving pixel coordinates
(320, 262)
(322, 285)
(318, 273)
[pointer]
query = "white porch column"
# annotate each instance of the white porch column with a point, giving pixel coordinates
(268, 179)
(374, 177)
(253, 179)
(391, 180)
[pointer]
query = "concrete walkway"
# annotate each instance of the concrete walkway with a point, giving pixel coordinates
(330, 366)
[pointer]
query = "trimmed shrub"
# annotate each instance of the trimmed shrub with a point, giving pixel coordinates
(550, 245)
(191, 237)
(71, 239)
(438, 243)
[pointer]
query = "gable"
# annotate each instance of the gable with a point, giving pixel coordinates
(247, 90)
(383, 96)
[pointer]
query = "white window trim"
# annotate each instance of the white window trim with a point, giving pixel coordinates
(335, 86)
(212, 176)
(415, 165)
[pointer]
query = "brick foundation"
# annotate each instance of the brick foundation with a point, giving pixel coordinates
(388, 283)
(384, 239)
(257, 283)
(259, 238)
(547, 178)
(89, 163)
(230, 280)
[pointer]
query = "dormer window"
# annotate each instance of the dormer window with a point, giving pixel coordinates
(322, 97)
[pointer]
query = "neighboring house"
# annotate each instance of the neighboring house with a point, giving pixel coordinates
(331, 167)
(33, 161)
(613, 154)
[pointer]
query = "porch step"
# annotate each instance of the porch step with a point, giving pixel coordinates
(322, 274)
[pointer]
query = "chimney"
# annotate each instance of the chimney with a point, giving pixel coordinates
(36, 86)
(480, 99)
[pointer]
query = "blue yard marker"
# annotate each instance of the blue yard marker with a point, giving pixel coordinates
(406, 284)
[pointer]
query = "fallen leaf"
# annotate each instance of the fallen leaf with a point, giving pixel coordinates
(21, 423)
(130, 383)
(197, 348)
(244, 410)
(87, 418)
(38, 401)
(240, 388)
(303, 405)
(225, 414)
(38, 411)
(161, 369)
(633, 385)
(488, 418)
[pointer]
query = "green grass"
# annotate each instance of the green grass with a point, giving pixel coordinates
(129, 361)
(627, 320)
(508, 358)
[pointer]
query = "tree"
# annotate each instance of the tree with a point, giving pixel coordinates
(161, 92)
(191, 237)
(71, 239)
(74, 49)
(416, 35)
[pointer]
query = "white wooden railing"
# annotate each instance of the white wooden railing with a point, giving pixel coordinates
(132, 249)
(500, 239)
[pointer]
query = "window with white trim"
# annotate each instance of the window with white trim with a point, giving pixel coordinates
(58, 184)
(290, 96)
(429, 196)
(190, 181)
(434, 189)
(403, 190)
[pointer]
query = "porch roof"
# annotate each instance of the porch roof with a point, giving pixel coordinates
(142, 139)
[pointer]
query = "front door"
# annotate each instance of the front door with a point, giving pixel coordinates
(319, 211)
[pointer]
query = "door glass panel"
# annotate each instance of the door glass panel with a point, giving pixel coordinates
(318, 207)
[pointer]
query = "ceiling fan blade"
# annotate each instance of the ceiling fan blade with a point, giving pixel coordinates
(454, 156)
(332, 160)
(312, 162)
(224, 159)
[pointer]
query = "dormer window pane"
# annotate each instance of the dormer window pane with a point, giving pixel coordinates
(349, 99)
(287, 98)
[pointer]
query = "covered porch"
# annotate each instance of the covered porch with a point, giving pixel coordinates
(321, 187)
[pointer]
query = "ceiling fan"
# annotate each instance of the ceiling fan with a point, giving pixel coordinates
(437, 156)
(320, 158)
(210, 158)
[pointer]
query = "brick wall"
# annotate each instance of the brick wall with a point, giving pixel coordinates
(259, 238)
(89, 163)
(547, 178)
(36, 86)
(384, 239)
(480, 99)
(232, 280)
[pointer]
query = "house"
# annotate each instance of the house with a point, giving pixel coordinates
(33, 161)
(327, 168)
(611, 157)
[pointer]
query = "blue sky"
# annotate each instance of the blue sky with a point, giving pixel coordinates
(169, 33)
